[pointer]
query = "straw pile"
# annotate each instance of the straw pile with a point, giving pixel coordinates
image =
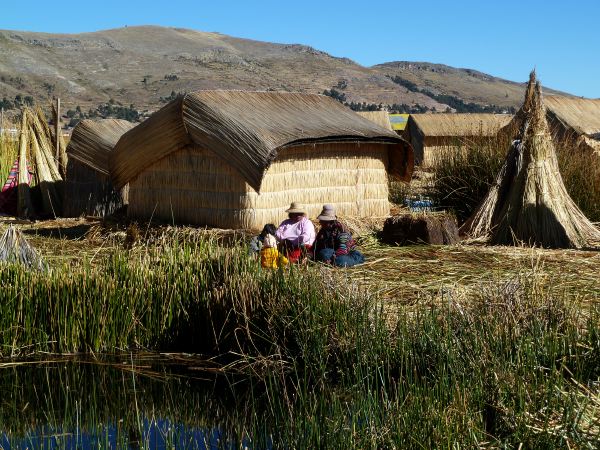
(35, 146)
(529, 202)
(14, 248)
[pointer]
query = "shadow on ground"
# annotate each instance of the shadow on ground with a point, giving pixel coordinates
(73, 233)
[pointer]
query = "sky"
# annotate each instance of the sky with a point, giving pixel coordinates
(505, 39)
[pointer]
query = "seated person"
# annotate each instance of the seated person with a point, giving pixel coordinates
(256, 243)
(296, 235)
(334, 243)
(270, 256)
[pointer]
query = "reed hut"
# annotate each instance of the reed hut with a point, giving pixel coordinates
(381, 118)
(88, 188)
(234, 159)
(528, 202)
(574, 122)
(431, 135)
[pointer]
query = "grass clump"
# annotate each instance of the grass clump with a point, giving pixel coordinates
(580, 172)
(462, 176)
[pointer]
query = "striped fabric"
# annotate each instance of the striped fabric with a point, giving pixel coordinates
(8, 195)
(13, 177)
(337, 237)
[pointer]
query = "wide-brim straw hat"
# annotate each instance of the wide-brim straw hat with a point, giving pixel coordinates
(296, 208)
(327, 214)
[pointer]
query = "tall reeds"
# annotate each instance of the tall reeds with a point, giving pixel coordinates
(8, 151)
(515, 365)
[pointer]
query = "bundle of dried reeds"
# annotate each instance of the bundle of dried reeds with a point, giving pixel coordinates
(24, 205)
(14, 248)
(35, 146)
(529, 202)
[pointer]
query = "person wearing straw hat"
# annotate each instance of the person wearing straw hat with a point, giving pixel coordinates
(334, 243)
(296, 235)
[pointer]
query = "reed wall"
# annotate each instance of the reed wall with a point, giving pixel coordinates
(438, 149)
(194, 186)
(88, 192)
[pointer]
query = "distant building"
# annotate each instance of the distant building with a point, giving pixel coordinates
(433, 134)
(381, 118)
(574, 122)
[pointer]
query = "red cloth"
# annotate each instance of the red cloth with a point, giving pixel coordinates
(8, 195)
(296, 254)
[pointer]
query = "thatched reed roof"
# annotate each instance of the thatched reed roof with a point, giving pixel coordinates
(580, 114)
(247, 130)
(381, 118)
(93, 140)
(448, 125)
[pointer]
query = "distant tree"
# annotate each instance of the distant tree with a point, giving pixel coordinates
(333, 93)
(49, 88)
(456, 103)
(6, 104)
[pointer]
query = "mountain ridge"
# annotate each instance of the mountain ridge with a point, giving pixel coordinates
(144, 66)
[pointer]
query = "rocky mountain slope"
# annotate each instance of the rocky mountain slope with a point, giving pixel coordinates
(144, 66)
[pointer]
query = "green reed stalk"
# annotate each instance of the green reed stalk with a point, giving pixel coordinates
(324, 367)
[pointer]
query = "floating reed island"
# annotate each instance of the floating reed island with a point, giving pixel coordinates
(233, 159)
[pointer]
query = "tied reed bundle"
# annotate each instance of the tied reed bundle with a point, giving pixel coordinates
(529, 202)
(14, 248)
(35, 153)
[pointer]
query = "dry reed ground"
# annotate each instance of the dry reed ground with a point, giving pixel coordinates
(412, 275)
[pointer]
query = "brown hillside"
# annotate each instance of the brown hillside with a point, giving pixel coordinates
(90, 68)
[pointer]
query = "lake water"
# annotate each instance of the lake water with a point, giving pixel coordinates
(135, 401)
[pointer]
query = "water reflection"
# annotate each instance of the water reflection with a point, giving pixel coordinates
(155, 434)
(125, 401)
